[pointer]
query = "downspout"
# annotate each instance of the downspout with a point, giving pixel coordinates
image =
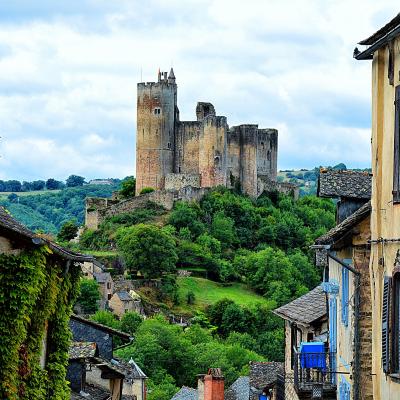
(356, 344)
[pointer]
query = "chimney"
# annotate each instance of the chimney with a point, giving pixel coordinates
(200, 386)
(213, 385)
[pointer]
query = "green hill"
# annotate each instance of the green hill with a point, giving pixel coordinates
(47, 210)
(208, 292)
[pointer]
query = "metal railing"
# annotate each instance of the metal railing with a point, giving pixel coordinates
(314, 368)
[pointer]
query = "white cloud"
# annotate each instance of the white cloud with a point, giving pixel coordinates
(68, 82)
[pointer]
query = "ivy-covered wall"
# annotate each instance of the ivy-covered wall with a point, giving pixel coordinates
(37, 292)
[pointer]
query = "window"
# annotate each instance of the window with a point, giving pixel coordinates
(109, 296)
(157, 111)
(391, 65)
(396, 166)
(345, 296)
(396, 323)
(108, 285)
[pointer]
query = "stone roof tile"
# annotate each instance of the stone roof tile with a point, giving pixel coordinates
(186, 393)
(9, 223)
(345, 226)
(351, 184)
(264, 374)
(82, 350)
(394, 23)
(306, 309)
(239, 390)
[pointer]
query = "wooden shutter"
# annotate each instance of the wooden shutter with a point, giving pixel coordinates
(345, 296)
(396, 167)
(333, 337)
(385, 323)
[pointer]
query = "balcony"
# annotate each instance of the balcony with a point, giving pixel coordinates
(315, 373)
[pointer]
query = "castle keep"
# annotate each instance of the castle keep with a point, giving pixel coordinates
(172, 154)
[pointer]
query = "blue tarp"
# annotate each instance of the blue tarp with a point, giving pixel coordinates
(312, 355)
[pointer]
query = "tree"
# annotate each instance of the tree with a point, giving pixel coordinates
(146, 190)
(12, 198)
(223, 229)
(128, 187)
(186, 215)
(89, 295)
(106, 318)
(75, 180)
(68, 231)
(38, 185)
(130, 322)
(147, 248)
(52, 184)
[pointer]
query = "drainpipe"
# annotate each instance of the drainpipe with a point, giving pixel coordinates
(356, 366)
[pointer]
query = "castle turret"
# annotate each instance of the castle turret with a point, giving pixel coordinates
(156, 117)
(171, 76)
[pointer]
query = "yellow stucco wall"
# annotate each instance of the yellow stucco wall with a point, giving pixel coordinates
(345, 334)
(385, 215)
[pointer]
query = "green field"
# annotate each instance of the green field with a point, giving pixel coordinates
(209, 292)
(4, 195)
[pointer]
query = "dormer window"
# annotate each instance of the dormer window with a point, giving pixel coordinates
(157, 111)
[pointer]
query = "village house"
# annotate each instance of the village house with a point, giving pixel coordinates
(106, 287)
(122, 302)
(306, 322)
(382, 49)
(93, 369)
(37, 278)
(344, 252)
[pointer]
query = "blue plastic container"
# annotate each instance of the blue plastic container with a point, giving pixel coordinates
(312, 355)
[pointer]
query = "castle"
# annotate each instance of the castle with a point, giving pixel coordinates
(182, 160)
(171, 154)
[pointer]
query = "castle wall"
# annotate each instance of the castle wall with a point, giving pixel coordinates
(187, 147)
(267, 153)
(155, 135)
(212, 151)
(248, 159)
(233, 155)
(179, 181)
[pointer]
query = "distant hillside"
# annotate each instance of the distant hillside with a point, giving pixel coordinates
(47, 210)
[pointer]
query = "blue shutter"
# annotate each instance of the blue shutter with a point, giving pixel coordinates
(345, 296)
(385, 323)
(333, 335)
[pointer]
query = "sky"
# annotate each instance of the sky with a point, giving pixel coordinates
(68, 74)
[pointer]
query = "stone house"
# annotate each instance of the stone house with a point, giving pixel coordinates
(382, 49)
(94, 370)
(106, 287)
(122, 302)
(26, 319)
(306, 321)
(344, 252)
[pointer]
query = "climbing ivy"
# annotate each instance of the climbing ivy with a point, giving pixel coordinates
(36, 292)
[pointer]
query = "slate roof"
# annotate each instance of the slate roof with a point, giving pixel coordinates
(91, 393)
(102, 277)
(239, 390)
(8, 223)
(186, 393)
(306, 309)
(345, 226)
(264, 374)
(79, 350)
(124, 295)
(352, 184)
(102, 327)
(382, 32)
(131, 369)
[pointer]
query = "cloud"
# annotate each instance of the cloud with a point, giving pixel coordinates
(68, 74)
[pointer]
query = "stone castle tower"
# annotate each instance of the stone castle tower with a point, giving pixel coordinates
(172, 154)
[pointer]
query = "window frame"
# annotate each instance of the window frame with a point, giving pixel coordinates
(396, 147)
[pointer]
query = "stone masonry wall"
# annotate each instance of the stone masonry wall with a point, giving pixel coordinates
(179, 181)
(361, 258)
